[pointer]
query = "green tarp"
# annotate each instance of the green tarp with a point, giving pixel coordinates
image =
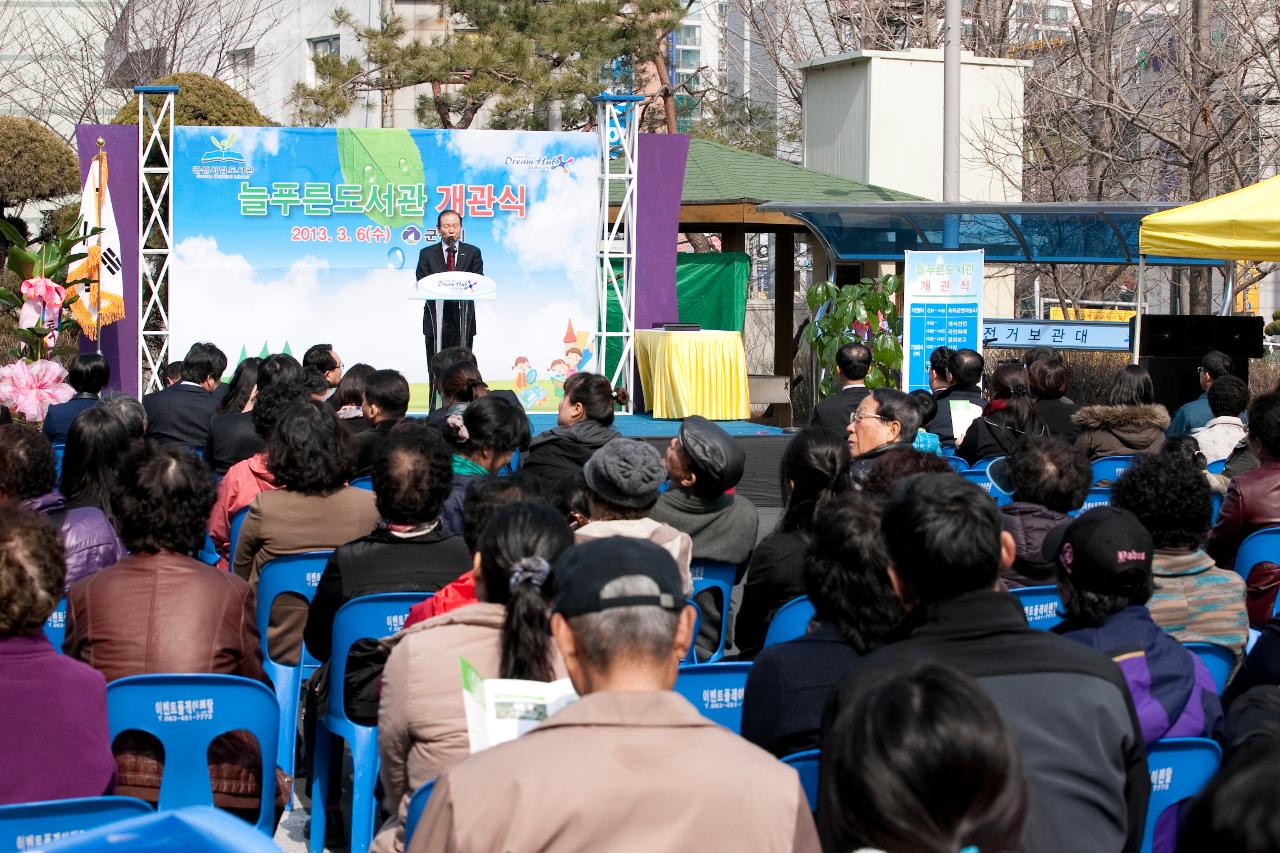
(711, 290)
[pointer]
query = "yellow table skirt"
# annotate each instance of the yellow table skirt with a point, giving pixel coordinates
(693, 373)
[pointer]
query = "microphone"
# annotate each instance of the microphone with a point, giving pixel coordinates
(450, 242)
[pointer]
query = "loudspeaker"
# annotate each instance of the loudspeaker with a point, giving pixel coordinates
(1173, 345)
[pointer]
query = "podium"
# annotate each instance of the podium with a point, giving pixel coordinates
(453, 286)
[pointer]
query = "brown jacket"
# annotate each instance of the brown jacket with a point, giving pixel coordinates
(627, 772)
(154, 613)
(1121, 430)
(422, 728)
(284, 522)
(1252, 503)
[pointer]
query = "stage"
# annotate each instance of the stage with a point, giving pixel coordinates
(763, 445)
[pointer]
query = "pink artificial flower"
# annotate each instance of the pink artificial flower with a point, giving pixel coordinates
(31, 389)
(44, 290)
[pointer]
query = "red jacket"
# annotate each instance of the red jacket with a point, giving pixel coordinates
(460, 593)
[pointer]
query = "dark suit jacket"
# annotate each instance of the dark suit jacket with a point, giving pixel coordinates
(180, 414)
(232, 439)
(57, 421)
(431, 261)
(833, 413)
(369, 443)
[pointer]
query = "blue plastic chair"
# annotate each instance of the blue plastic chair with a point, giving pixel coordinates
(194, 829)
(1179, 768)
(718, 576)
(791, 621)
(369, 616)
(365, 483)
(298, 574)
(692, 655)
(981, 477)
(208, 552)
(1108, 468)
(1217, 467)
(1041, 604)
(55, 627)
(957, 464)
(1219, 660)
(949, 451)
(984, 463)
(1215, 507)
(1261, 546)
(1097, 496)
(59, 448)
(417, 805)
(31, 826)
(807, 764)
(1252, 639)
(237, 521)
(716, 690)
(185, 713)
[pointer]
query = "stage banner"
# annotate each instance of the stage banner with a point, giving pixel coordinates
(287, 237)
(943, 307)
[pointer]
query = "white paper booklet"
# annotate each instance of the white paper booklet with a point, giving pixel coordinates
(502, 709)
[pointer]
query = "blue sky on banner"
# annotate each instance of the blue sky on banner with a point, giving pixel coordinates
(300, 235)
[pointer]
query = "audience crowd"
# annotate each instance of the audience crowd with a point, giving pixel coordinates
(945, 722)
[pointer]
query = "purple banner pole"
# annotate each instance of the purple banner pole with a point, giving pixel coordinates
(119, 340)
(661, 183)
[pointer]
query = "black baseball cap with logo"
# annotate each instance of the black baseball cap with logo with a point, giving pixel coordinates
(1106, 550)
(583, 571)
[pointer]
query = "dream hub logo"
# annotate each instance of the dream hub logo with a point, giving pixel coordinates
(541, 162)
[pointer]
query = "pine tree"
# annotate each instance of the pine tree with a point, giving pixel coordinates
(514, 58)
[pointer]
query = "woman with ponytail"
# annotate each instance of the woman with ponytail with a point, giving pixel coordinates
(422, 727)
(815, 465)
(584, 424)
(1009, 417)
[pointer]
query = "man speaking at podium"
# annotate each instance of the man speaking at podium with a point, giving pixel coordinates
(450, 254)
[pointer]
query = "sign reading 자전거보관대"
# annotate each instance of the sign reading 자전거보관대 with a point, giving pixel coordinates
(1059, 334)
(942, 294)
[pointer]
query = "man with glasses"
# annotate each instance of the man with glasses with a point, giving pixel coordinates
(326, 362)
(1197, 413)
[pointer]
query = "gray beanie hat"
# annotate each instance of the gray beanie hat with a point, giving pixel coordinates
(626, 472)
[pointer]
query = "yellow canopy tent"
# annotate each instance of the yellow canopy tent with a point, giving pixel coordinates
(1243, 225)
(1239, 226)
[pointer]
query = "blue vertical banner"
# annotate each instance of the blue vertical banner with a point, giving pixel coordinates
(943, 308)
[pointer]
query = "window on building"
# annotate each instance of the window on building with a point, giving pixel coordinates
(240, 70)
(689, 35)
(1025, 10)
(325, 46)
(1055, 15)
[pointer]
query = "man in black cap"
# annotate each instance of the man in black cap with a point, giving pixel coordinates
(1102, 562)
(651, 767)
(703, 462)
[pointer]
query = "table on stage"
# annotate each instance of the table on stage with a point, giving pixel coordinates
(693, 373)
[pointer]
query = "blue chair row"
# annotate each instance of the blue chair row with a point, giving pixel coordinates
(1217, 467)
(365, 483)
(370, 616)
(980, 477)
(99, 824)
(1217, 659)
(716, 690)
(1096, 497)
(790, 621)
(807, 764)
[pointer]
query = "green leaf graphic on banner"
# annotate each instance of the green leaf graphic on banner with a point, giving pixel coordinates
(375, 158)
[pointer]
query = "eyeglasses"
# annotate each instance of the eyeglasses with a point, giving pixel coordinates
(857, 417)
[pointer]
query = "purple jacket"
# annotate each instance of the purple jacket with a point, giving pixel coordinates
(53, 724)
(88, 537)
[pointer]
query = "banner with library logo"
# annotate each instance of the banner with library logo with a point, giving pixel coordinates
(286, 237)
